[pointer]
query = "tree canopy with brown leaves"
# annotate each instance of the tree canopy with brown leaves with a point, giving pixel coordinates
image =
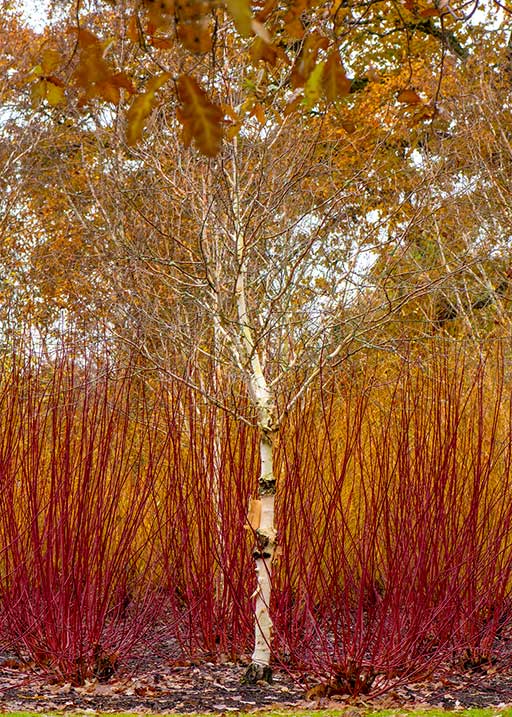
(298, 56)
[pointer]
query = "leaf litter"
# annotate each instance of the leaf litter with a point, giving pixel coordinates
(171, 686)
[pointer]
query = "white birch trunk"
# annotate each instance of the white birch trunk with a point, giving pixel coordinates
(265, 533)
(263, 554)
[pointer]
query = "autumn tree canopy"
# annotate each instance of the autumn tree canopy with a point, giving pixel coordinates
(95, 102)
(298, 56)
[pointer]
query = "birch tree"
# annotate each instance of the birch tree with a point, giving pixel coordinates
(273, 265)
(257, 247)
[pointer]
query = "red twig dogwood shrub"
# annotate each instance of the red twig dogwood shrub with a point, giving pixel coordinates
(77, 469)
(125, 500)
(395, 522)
(203, 550)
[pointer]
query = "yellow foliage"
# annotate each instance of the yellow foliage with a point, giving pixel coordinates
(306, 61)
(313, 86)
(94, 74)
(335, 81)
(142, 107)
(240, 10)
(50, 89)
(202, 120)
(51, 60)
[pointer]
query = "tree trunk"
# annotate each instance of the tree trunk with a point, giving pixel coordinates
(261, 396)
(265, 543)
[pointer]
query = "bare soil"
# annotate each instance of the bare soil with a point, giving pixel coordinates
(160, 686)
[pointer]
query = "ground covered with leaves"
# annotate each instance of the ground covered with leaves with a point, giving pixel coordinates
(209, 687)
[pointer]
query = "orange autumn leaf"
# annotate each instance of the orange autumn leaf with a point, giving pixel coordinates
(335, 82)
(293, 19)
(195, 36)
(159, 13)
(306, 61)
(94, 74)
(263, 13)
(191, 10)
(409, 97)
(132, 30)
(193, 25)
(141, 108)
(161, 43)
(348, 125)
(202, 120)
(266, 52)
(258, 112)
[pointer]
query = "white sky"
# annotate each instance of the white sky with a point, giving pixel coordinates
(35, 12)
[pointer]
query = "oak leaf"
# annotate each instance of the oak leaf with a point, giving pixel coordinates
(94, 74)
(293, 19)
(266, 52)
(258, 112)
(335, 82)
(306, 61)
(202, 120)
(293, 104)
(409, 97)
(313, 86)
(240, 11)
(141, 107)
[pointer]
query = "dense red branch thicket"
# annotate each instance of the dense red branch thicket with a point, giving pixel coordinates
(123, 508)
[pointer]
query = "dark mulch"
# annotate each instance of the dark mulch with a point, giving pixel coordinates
(187, 688)
(208, 687)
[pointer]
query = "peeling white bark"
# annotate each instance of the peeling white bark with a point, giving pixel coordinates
(262, 397)
(263, 625)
